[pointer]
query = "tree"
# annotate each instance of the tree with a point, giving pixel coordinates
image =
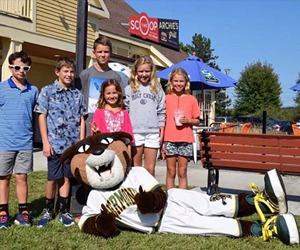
(258, 89)
(183, 47)
(201, 46)
(222, 103)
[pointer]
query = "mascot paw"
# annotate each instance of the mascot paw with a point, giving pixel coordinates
(144, 201)
(105, 223)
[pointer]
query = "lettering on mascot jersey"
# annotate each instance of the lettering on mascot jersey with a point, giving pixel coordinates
(120, 200)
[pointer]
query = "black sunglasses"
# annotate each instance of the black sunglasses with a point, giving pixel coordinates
(17, 67)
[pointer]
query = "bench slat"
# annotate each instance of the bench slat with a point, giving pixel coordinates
(243, 148)
(245, 165)
(243, 141)
(245, 157)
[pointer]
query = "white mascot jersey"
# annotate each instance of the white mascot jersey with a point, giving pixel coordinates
(121, 202)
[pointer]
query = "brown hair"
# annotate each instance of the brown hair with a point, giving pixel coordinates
(103, 40)
(182, 72)
(105, 84)
(65, 61)
(22, 55)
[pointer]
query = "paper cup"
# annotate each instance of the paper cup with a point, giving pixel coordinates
(177, 115)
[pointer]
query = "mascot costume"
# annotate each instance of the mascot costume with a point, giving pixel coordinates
(125, 197)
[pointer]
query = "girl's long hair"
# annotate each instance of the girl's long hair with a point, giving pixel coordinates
(182, 72)
(154, 83)
(101, 102)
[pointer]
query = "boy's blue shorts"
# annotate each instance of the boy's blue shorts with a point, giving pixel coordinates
(58, 170)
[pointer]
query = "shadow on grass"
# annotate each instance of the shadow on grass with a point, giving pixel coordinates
(36, 206)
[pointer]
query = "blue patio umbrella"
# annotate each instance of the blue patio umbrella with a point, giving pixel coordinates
(296, 87)
(201, 75)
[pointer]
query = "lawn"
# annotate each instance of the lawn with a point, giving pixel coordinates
(56, 236)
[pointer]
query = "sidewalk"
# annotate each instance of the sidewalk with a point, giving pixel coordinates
(230, 181)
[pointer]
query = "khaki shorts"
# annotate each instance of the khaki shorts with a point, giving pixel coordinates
(18, 162)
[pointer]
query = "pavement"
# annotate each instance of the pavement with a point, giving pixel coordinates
(229, 182)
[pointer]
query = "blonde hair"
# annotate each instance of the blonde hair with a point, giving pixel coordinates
(101, 102)
(182, 72)
(154, 82)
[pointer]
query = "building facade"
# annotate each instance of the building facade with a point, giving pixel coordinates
(46, 30)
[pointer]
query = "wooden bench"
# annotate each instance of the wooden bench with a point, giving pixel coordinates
(248, 152)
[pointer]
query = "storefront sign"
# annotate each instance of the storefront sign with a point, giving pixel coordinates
(163, 31)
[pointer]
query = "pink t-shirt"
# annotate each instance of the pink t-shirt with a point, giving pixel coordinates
(108, 121)
(191, 109)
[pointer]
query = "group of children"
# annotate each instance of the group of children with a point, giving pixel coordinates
(67, 114)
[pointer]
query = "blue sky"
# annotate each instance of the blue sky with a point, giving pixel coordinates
(241, 32)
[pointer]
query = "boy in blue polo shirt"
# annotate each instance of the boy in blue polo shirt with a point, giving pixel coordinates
(61, 110)
(17, 100)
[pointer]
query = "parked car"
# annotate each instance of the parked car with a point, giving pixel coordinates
(216, 125)
(223, 119)
(280, 126)
(255, 120)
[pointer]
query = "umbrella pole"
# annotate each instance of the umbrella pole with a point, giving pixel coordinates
(202, 103)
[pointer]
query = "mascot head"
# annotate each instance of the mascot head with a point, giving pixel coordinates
(101, 160)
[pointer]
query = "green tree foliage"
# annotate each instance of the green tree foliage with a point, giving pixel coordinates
(281, 114)
(258, 89)
(201, 46)
(184, 47)
(222, 103)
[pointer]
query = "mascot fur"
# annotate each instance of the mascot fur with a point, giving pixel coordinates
(125, 197)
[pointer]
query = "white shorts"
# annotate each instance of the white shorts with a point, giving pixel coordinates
(146, 140)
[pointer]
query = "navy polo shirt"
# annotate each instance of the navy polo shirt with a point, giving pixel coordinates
(16, 114)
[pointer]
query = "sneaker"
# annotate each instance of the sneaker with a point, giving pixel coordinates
(273, 198)
(47, 217)
(66, 219)
(4, 220)
(23, 219)
(275, 191)
(282, 226)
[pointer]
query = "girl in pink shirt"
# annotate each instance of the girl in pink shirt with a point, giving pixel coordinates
(182, 112)
(110, 115)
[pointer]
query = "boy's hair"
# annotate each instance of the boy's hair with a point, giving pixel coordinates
(65, 61)
(22, 55)
(154, 82)
(103, 40)
(105, 84)
(182, 72)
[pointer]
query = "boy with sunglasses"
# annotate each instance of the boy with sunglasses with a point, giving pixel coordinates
(17, 100)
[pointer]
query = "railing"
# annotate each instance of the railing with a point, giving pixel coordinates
(19, 8)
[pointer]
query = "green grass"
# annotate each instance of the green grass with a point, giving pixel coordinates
(56, 236)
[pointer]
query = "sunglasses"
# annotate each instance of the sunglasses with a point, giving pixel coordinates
(16, 67)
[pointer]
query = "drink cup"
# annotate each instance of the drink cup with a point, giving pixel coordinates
(177, 115)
